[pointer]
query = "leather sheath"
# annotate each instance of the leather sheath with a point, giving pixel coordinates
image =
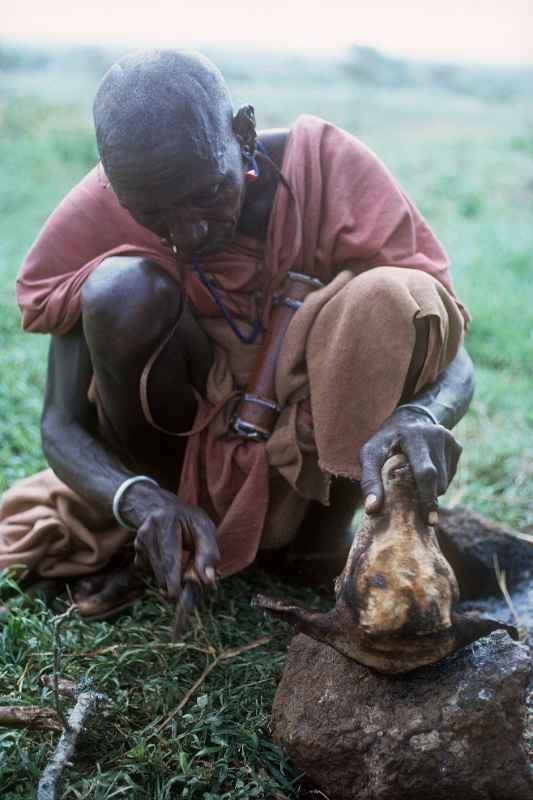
(258, 410)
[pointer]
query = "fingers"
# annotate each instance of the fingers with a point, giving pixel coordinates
(453, 454)
(372, 459)
(206, 550)
(153, 549)
(140, 562)
(426, 479)
(433, 460)
(147, 551)
(421, 456)
(159, 543)
(431, 450)
(171, 558)
(433, 518)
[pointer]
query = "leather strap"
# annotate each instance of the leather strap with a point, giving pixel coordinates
(258, 410)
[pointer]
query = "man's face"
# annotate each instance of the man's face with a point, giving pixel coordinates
(193, 203)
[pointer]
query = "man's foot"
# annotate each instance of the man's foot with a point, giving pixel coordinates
(108, 592)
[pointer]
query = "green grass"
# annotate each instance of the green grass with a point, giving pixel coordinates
(468, 164)
(218, 747)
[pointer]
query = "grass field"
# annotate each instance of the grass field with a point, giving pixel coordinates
(468, 164)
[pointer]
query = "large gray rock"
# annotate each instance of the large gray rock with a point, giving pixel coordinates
(455, 730)
(470, 542)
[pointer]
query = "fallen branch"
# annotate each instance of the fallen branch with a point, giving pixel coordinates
(135, 648)
(225, 655)
(64, 686)
(49, 783)
(86, 702)
(34, 717)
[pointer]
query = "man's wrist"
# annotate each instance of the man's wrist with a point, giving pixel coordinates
(134, 497)
(418, 408)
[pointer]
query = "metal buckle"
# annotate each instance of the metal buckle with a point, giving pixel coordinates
(248, 431)
(287, 301)
(300, 276)
(262, 401)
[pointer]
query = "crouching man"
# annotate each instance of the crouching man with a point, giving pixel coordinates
(243, 328)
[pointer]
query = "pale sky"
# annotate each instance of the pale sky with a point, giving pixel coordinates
(483, 31)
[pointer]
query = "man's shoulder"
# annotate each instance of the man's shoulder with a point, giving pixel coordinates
(306, 128)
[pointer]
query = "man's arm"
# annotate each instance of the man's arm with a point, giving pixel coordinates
(431, 449)
(94, 472)
(449, 398)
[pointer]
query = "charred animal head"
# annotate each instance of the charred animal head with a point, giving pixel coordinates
(395, 596)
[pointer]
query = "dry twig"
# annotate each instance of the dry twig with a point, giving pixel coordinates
(34, 717)
(64, 686)
(86, 702)
(49, 783)
(225, 655)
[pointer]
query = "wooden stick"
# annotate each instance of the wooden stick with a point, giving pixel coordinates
(112, 647)
(49, 783)
(64, 686)
(225, 655)
(34, 717)
(185, 699)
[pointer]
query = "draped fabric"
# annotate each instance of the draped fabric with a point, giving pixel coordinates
(338, 215)
(344, 209)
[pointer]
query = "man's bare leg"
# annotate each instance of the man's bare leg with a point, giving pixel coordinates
(129, 307)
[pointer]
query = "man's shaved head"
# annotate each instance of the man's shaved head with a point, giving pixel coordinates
(156, 103)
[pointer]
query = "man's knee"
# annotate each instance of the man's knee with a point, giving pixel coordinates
(391, 284)
(128, 303)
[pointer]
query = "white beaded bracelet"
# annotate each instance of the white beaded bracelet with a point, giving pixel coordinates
(425, 411)
(119, 494)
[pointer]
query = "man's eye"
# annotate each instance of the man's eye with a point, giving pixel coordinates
(208, 196)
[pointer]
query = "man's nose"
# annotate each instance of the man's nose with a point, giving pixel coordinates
(187, 236)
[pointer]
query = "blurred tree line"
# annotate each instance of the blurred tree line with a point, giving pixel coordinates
(365, 66)
(370, 66)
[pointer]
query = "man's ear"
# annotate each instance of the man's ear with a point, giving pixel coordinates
(244, 129)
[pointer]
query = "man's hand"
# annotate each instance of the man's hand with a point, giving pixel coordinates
(431, 450)
(166, 527)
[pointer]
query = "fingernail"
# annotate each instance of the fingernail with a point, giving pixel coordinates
(433, 518)
(370, 502)
(210, 574)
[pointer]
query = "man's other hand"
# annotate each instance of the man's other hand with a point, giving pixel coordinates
(431, 450)
(166, 528)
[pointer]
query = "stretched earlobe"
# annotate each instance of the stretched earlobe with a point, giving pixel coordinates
(244, 129)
